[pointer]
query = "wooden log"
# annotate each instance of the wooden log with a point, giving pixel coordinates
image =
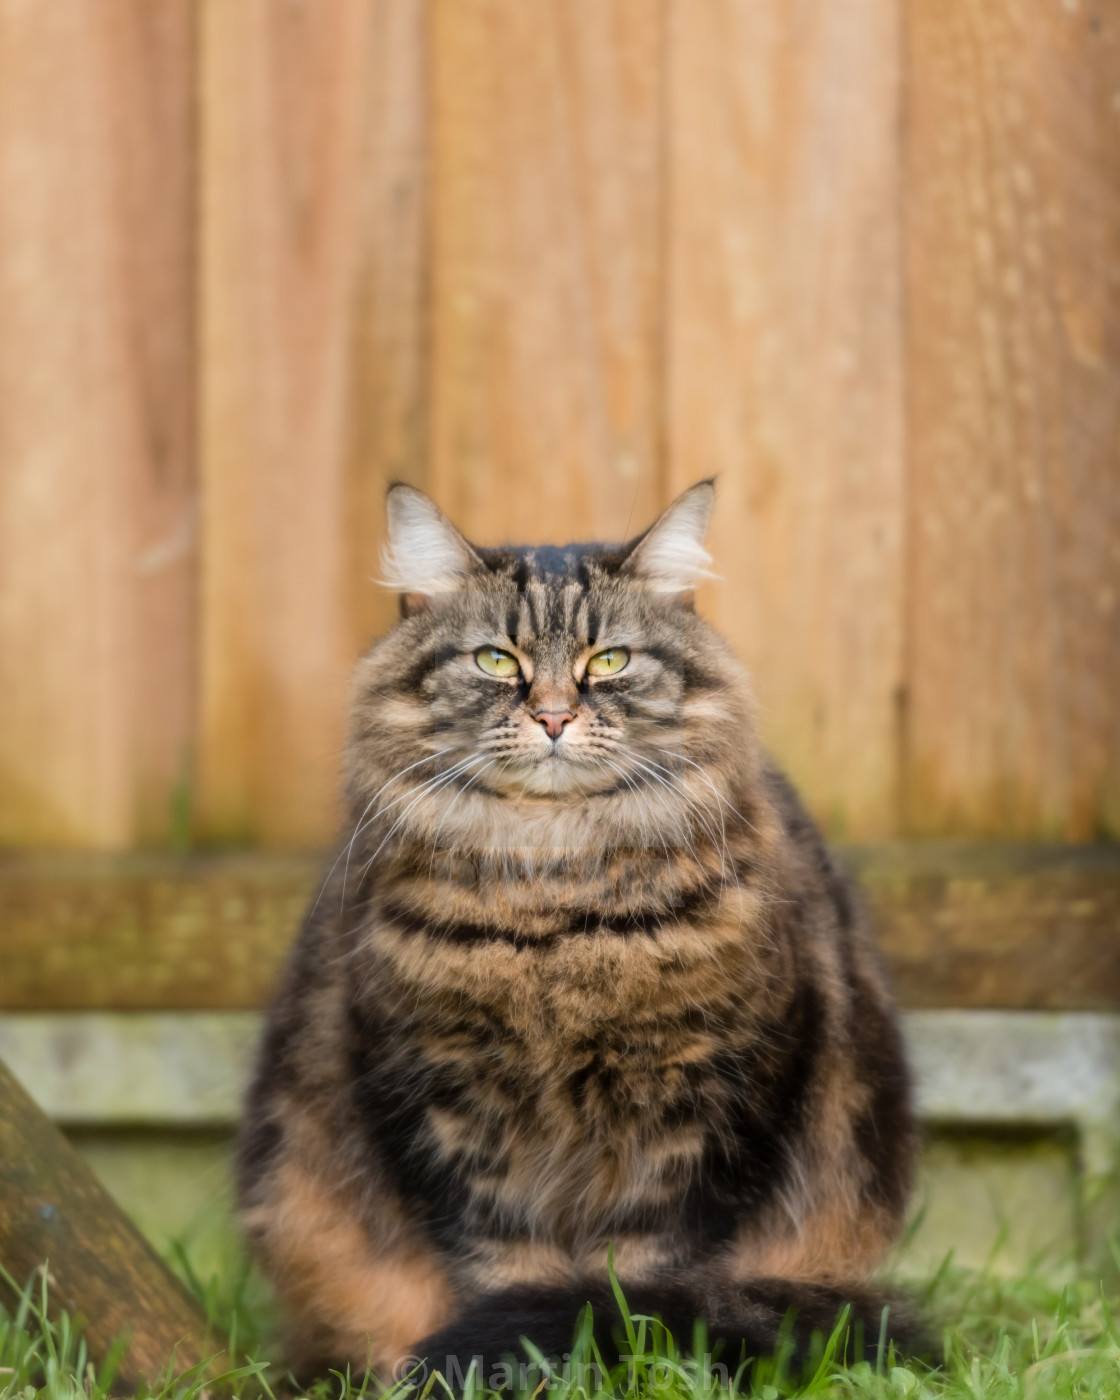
(100, 1269)
(1002, 927)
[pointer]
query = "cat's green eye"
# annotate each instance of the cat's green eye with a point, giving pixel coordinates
(609, 662)
(496, 662)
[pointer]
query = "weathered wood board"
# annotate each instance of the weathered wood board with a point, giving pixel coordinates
(53, 1211)
(546, 266)
(140, 931)
(997, 926)
(97, 469)
(784, 369)
(1012, 204)
(311, 301)
(555, 262)
(190, 1069)
(1003, 927)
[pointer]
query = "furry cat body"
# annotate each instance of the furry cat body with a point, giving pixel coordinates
(583, 972)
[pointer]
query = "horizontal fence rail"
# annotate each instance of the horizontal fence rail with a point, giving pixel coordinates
(191, 1069)
(961, 925)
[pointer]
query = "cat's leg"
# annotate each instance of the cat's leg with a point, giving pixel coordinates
(833, 1243)
(350, 1294)
(841, 1203)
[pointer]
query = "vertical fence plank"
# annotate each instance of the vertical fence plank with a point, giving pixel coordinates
(546, 247)
(299, 135)
(785, 370)
(1013, 236)
(387, 425)
(96, 464)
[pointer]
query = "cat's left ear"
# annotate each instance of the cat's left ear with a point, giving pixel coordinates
(670, 557)
(424, 555)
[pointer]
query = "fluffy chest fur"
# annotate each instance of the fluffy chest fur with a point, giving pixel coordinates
(562, 1066)
(564, 1134)
(559, 1108)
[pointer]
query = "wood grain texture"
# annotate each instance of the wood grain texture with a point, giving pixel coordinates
(387, 430)
(52, 1207)
(555, 262)
(997, 926)
(301, 122)
(1013, 313)
(785, 369)
(1021, 928)
(546, 263)
(97, 478)
(139, 932)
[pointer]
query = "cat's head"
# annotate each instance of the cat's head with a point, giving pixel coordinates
(549, 674)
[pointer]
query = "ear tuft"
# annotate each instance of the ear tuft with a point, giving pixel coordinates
(424, 554)
(670, 557)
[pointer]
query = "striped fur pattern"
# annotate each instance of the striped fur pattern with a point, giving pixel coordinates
(564, 990)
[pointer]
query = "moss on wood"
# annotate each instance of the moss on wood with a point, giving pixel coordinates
(1011, 927)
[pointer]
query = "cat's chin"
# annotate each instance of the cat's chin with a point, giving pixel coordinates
(554, 776)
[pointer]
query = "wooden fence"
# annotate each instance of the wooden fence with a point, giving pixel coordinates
(554, 260)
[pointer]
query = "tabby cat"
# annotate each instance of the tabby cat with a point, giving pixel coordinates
(583, 973)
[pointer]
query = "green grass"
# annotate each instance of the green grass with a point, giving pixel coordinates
(1025, 1337)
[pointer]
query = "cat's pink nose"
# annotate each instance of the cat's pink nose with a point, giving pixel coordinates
(553, 721)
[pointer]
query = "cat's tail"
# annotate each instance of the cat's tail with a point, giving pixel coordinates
(743, 1322)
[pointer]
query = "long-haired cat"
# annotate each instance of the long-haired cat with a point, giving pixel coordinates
(582, 973)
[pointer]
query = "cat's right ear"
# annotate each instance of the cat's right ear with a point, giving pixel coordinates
(424, 555)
